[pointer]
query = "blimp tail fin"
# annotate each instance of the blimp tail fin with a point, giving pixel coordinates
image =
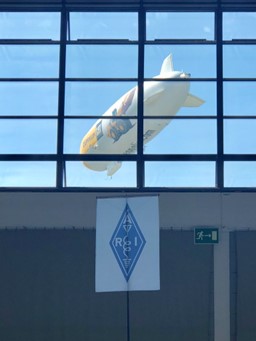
(167, 65)
(193, 101)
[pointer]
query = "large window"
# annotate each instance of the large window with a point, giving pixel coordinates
(29, 97)
(141, 99)
(239, 53)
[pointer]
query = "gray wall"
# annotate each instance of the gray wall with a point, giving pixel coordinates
(47, 260)
(47, 291)
(177, 210)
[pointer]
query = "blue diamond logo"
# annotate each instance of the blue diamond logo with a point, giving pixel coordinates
(127, 242)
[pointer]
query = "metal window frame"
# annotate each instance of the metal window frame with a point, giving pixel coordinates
(141, 7)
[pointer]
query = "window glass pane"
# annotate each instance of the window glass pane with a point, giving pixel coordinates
(198, 60)
(29, 25)
(239, 25)
(181, 136)
(86, 98)
(31, 98)
(164, 98)
(106, 136)
(239, 61)
(239, 136)
(28, 136)
(240, 174)
(27, 174)
(17, 61)
(174, 25)
(74, 131)
(77, 175)
(101, 61)
(239, 98)
(205, 91)
(180, 174)
(103, 25)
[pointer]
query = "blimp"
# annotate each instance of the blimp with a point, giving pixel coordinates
(116, 131)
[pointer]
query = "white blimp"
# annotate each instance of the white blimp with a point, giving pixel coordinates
(117, 133)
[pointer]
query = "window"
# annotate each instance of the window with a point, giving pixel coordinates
(239, 96)
(29, 73)
(138, 98)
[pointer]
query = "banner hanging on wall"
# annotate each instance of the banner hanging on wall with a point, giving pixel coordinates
(127, 244)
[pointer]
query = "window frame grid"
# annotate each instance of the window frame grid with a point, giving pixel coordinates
(61, 158)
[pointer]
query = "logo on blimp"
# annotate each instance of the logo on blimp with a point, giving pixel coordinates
(127, 242)
(117, 126)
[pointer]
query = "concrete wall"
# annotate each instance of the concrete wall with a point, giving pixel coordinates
(229, 211)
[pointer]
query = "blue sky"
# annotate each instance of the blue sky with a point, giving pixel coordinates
(184, 136)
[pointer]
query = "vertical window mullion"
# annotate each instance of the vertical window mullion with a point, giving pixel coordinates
(140, 160)
(219, 50)
(61, 102)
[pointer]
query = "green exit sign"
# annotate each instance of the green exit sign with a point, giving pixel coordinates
(206, 235)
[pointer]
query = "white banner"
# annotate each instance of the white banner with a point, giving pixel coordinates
(127, 244)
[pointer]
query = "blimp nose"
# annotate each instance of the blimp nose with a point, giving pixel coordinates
(185, 75)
